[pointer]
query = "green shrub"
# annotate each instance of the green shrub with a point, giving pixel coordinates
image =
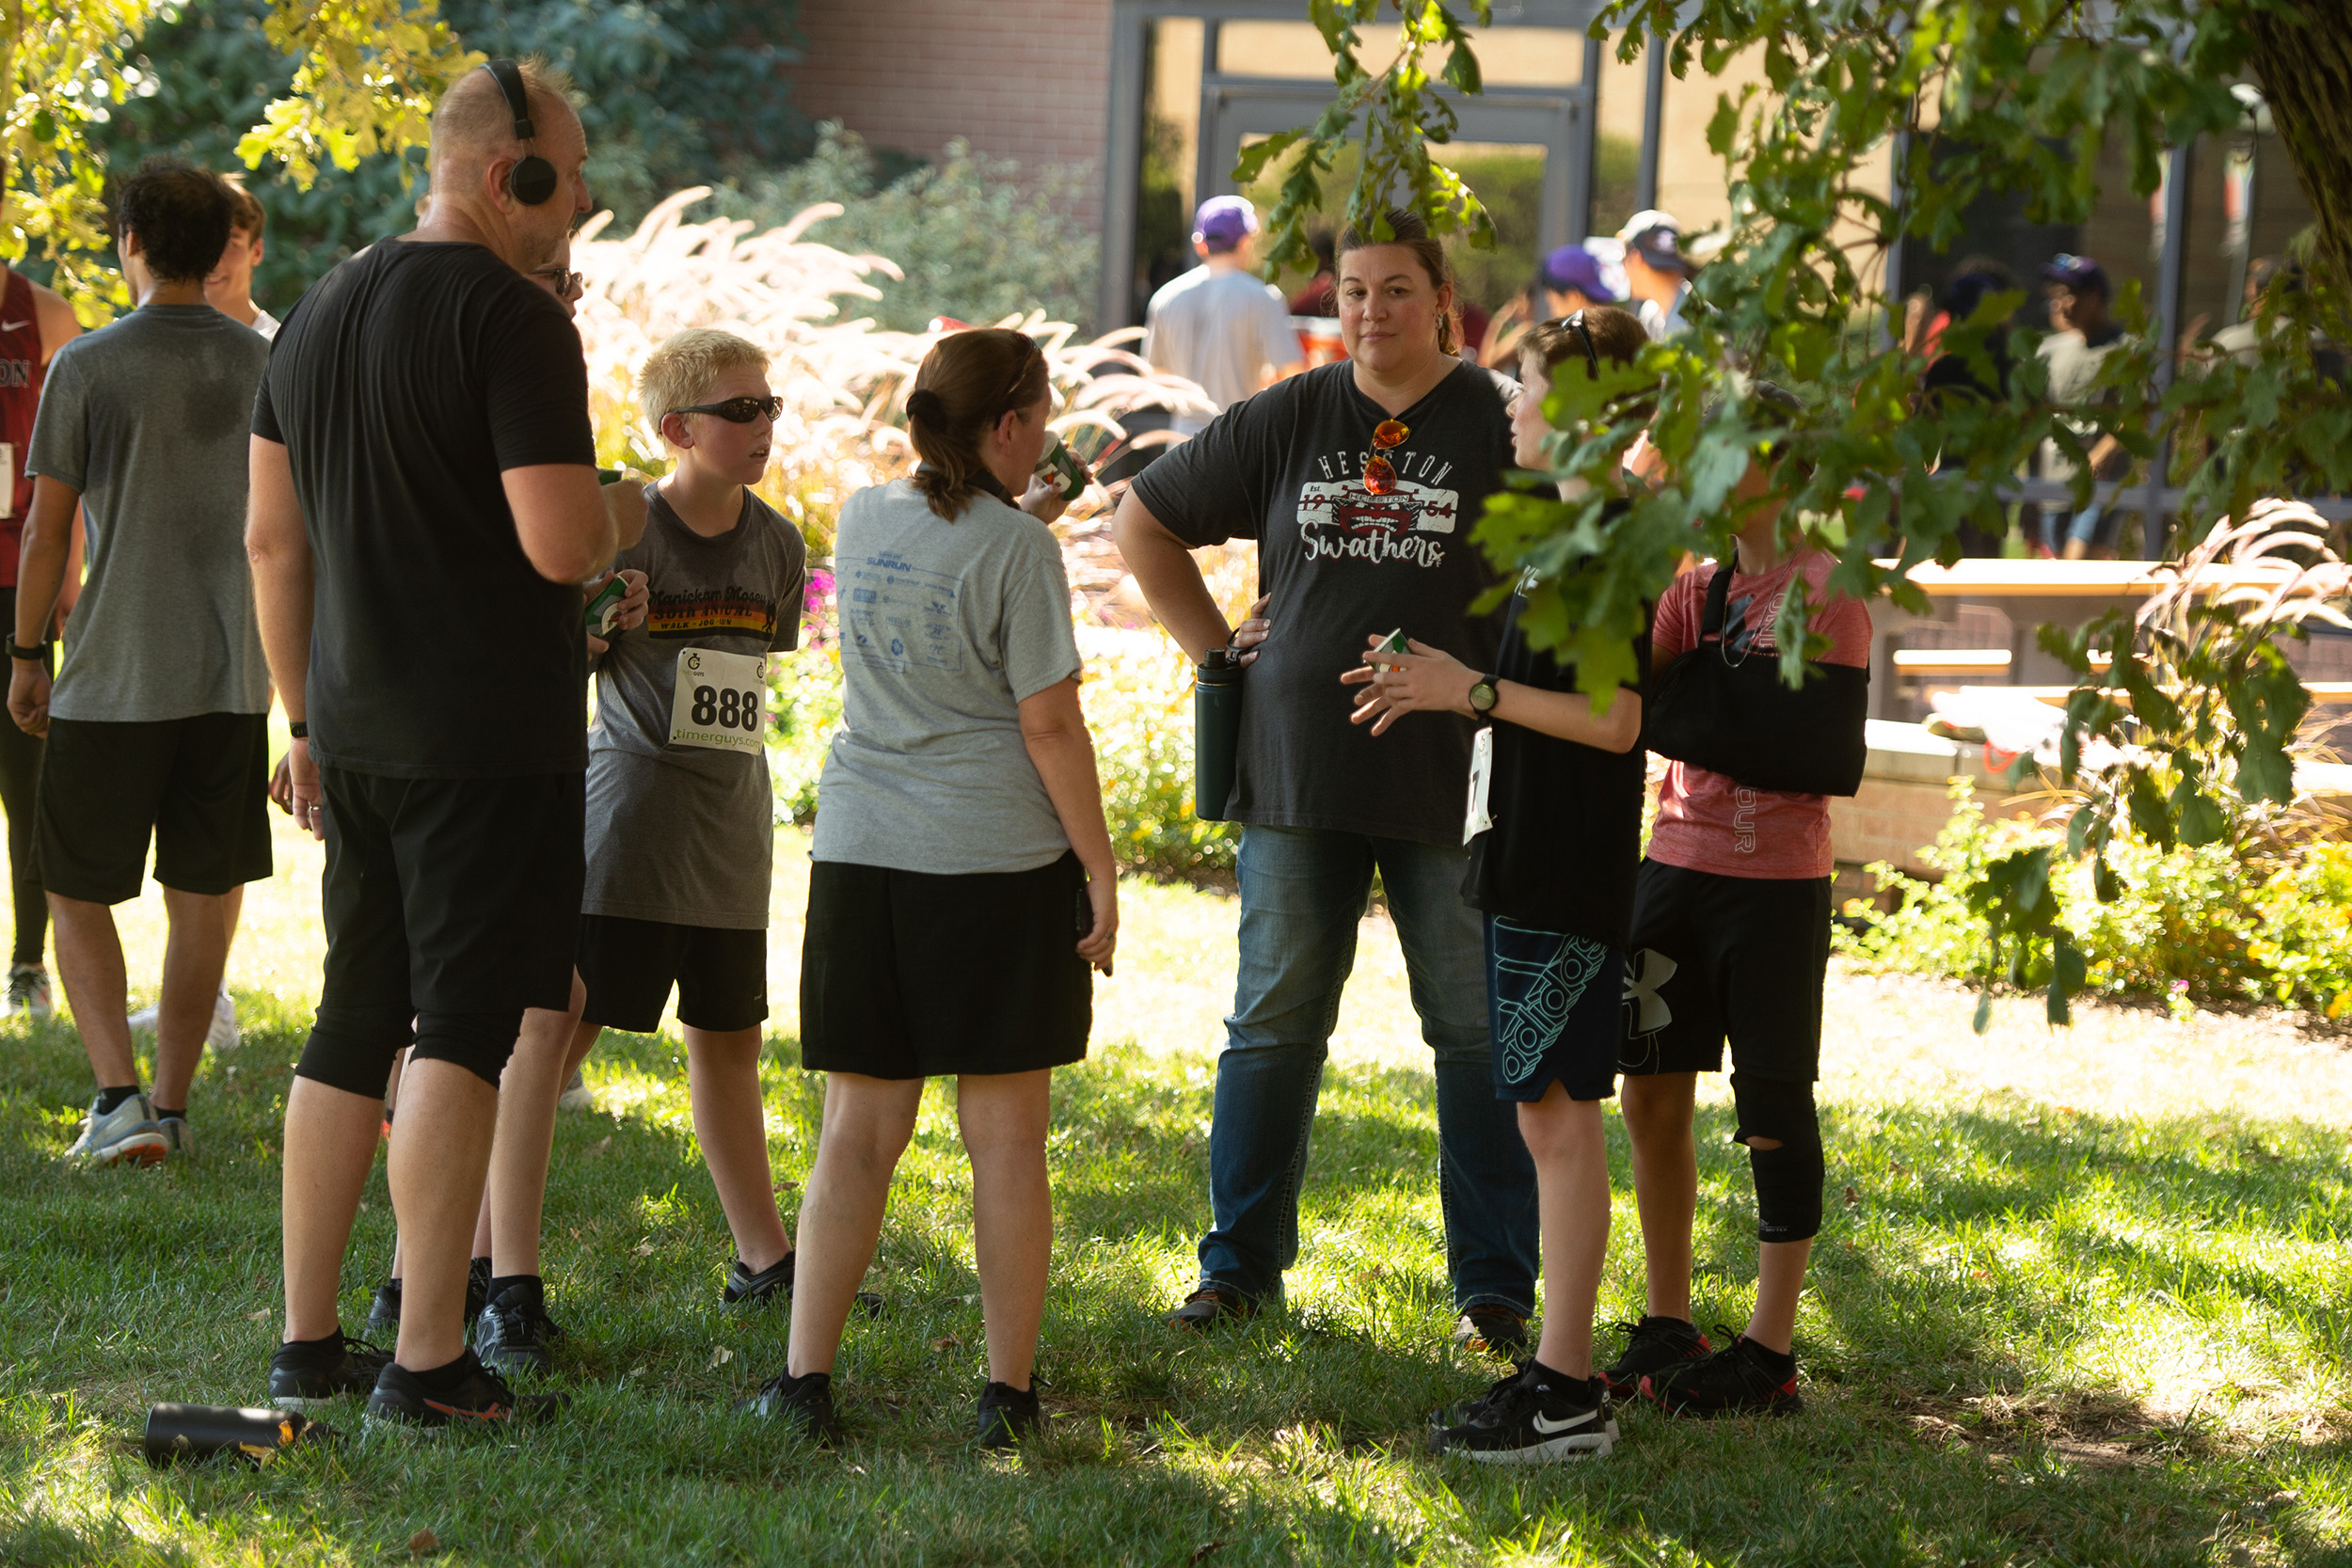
(979, 238)
(2212, 923)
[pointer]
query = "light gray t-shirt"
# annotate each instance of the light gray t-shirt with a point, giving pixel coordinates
(2074, 362)
(147, 419)
(945, 629)
(685, 833)
(1220, 328)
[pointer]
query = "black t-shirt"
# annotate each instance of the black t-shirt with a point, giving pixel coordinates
(1566, 839)
(1285, 467)
(402, 386)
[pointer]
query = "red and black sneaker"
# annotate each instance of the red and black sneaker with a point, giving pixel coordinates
(465, 1393)
(1651, 1347)
(1492, 1327)
(1741, 1379)
(1210, 1306)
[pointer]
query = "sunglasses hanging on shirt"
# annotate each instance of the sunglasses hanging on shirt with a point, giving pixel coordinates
(739, 410)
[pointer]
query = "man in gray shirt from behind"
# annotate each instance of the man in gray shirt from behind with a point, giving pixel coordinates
(157, 724)
(1221, 324)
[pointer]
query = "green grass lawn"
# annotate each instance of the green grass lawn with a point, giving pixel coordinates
(2113, 1333)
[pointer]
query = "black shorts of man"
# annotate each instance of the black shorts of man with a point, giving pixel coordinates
(157, 724)
(424, 506)
(1731, 941)
(1554, 825)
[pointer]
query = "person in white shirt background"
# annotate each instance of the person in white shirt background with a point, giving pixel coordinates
(1220, 325)
(1656, 274)
(229, 288)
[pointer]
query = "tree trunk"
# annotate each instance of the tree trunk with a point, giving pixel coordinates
(2304, 59)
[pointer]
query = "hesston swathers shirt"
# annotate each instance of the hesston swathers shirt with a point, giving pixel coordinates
(1706, 822)
(1286, 468)
(1566, 841)
(684, 835)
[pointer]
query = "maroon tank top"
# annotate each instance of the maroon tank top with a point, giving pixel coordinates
(20, 397)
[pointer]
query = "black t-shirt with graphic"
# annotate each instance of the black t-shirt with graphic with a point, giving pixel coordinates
(403, 387)
(1285, 467)
(1566, 840)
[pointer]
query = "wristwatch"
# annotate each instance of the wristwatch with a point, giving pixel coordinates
(1482, 695)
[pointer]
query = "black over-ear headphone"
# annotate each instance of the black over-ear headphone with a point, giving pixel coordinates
(532, 180)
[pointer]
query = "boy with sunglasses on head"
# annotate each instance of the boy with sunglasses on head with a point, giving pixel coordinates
(680, 812)
(1558, 827)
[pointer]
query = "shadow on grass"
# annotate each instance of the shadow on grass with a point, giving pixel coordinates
(1982, 1303)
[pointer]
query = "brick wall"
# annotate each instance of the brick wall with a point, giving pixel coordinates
(1026, 79)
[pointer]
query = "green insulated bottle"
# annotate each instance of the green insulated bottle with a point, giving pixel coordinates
(1061, 466)
(1215, 734)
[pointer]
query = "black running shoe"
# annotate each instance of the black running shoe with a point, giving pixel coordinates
(1536, 1419)
(1213, 1304)
(1652, 1346)
(1474, 1409)
(477, 1287)
(804, 1404)
(384, 1312)
(1009, 1414)
(773, 1281)
(1741, 1379)
(514, 1334)
(1491, 1327)
(309, 1372)
(479, 1400)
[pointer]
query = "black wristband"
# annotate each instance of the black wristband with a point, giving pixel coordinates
(37, 654)
(299, 729)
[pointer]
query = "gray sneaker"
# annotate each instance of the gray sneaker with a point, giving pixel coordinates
(221, 1033)
(29, 993)
(129, 1132)
(576, 1095)
(177, 1140)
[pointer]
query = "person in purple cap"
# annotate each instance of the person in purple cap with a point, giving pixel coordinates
(1655, 273)
(2082, 335)
(1571, 279)
(1221, 324)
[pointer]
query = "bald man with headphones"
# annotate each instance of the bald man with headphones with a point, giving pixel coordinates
(425, 505)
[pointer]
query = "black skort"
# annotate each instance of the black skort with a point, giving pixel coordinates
(910, 974)
(198, 785)
(1715, 957)
(628, 967)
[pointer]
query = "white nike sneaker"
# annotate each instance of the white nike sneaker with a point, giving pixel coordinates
(29, 993)
(129, 1132)
(222, 1034)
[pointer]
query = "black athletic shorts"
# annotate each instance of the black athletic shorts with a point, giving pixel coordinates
(628, 967)
(200, 786)
(913, 975)
(1555, 1007)
(453, 902)
(1711, 957)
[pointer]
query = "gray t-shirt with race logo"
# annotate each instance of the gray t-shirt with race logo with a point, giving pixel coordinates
(946, 628)
(676, 832)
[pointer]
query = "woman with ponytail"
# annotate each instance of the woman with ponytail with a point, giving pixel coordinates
(964, 882)
(1361, 482)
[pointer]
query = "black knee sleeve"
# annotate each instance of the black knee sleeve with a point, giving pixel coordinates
(1788, 1179)
(478, 1042)
(352, 1048)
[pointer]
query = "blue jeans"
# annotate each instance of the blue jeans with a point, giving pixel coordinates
(1303, 892)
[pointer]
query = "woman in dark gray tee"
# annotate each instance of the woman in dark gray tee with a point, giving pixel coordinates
(1361, 482)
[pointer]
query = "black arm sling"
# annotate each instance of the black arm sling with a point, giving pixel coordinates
(1740, 720)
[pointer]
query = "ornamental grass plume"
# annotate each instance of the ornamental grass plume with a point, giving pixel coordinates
(843, 379)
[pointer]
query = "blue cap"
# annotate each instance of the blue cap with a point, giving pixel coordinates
(2076, 272)
(1223, 222)
(1572, 266)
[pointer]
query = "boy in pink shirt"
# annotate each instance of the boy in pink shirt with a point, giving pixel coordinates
(1731, 922)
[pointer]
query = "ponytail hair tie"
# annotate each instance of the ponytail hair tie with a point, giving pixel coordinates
(925, 405)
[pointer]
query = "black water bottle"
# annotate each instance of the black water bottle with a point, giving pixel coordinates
(1215, 734)
(200, 1430)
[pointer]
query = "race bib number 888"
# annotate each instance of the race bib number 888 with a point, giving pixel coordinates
(721, 700)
